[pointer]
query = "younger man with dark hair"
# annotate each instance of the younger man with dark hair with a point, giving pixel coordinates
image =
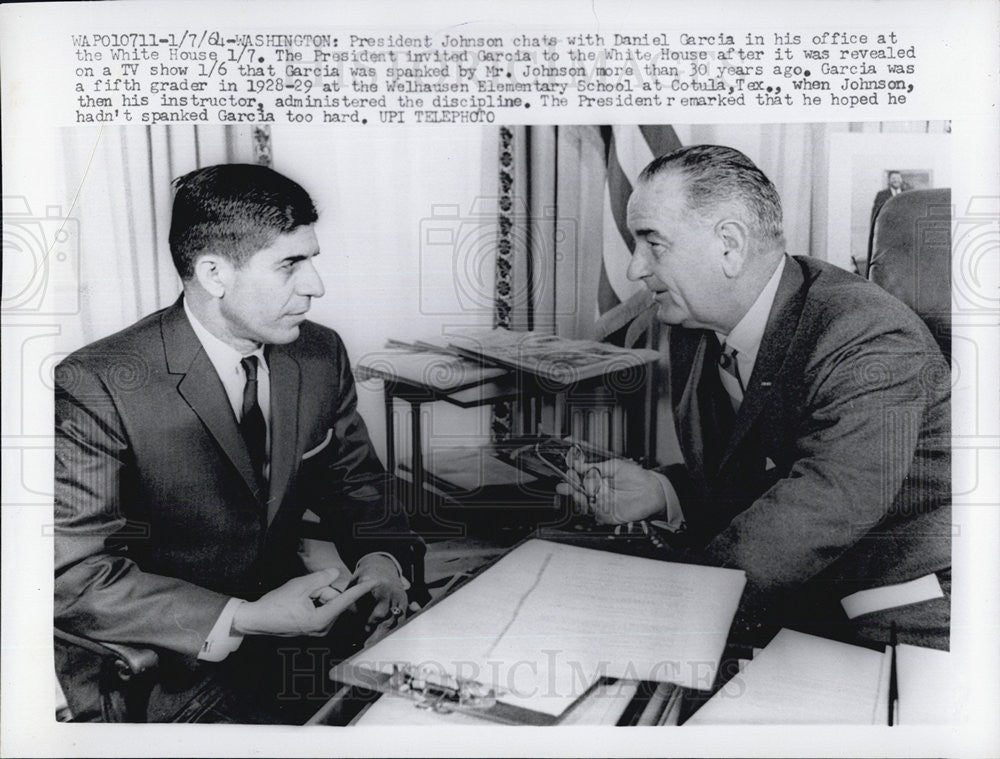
(188, 447)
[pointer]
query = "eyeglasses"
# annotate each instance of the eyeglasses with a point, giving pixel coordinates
(563, 461)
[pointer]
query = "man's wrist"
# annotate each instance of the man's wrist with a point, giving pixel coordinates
(671, 517)
(233, 629)
(224, 637)
(243, 620)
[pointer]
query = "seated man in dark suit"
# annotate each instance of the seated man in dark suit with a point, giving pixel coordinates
(189, 446)
(812, 410)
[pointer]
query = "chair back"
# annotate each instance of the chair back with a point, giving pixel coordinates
(911, 256)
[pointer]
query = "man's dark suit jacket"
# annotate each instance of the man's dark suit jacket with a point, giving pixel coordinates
(880, 198)
(835, 476)
(159, 519)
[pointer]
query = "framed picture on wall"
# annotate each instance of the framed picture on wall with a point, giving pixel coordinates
(913, 179)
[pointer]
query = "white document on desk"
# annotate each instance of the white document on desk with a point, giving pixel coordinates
(547, 620)
(803, 679)
(928, 686)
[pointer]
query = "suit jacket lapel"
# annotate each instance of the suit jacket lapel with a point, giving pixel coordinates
(201, 387)
(704, 413)
(693, 420)
(781, 325)
(285, 380)
(688, 416)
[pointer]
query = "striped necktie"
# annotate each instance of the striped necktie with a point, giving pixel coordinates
(729, 364)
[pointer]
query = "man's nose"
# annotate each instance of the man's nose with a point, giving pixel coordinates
(638, 266)
(309, 282)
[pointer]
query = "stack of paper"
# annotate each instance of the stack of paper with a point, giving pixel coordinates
(803, 679)
(441, 372)
(927, 686)
(549, 620)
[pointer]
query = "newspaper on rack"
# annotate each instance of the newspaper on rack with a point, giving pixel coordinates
(554, 359)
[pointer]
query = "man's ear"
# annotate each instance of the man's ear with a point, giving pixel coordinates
(214, 273)
(735, 243)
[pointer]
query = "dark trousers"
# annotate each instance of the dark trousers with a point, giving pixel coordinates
(277, 681)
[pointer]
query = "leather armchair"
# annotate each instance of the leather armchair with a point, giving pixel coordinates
(911, 256)
(126, 676)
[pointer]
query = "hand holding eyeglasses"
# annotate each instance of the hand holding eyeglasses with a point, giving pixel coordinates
(616, 491)
(571, 464)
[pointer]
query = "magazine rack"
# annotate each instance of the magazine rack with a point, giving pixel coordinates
(605, 408)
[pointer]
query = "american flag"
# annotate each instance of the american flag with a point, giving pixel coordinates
(627, 150)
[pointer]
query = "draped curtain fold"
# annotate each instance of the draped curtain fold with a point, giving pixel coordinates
(551, 180)
(549, 229)
(118, 183)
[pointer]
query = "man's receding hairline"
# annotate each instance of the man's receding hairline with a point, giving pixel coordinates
(662, 176)
(673, 171)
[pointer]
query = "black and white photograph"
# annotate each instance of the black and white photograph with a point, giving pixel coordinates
(783, 433)
(597, 423)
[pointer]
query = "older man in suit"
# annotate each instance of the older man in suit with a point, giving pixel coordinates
(812, 409)
(189, 446)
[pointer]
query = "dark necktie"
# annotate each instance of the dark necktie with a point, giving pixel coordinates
(252, 425)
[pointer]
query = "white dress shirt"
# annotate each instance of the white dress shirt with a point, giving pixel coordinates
(745, 338)
(227, 362)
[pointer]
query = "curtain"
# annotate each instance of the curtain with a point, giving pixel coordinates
(562, 260)
(551, 181)
(563, 246)
(118, 184)
(545, 212)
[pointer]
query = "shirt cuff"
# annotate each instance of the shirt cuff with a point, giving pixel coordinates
(221, 641)
(674, 515)
(395, 563)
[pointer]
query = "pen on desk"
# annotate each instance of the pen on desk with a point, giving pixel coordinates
(893, 684)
